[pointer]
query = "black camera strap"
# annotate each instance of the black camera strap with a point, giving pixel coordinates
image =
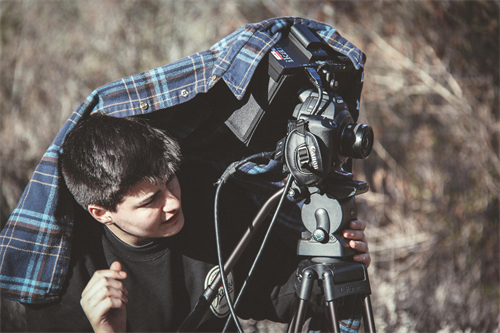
(303, 154)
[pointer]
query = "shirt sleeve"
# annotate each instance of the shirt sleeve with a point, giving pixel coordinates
(57, 317)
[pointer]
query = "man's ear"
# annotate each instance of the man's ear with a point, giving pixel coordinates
(100, 214)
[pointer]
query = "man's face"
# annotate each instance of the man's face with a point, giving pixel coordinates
(148, 211)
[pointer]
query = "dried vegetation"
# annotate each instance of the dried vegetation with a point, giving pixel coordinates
(431, 94)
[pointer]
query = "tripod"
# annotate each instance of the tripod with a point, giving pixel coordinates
(325, 213)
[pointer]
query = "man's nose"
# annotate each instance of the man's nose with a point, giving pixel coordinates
(169, 203)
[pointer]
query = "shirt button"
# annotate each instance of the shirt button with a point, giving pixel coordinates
(144, 106)
(213, 77)
(184, 93)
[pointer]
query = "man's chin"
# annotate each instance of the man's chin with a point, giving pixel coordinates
(172, 228)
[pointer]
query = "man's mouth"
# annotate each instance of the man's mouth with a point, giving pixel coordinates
(173, 219)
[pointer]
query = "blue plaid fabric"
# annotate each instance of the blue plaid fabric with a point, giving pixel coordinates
(35, 245)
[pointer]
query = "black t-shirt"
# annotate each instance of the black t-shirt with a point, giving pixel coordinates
(163, 285)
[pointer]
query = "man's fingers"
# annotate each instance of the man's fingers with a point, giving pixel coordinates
(362, 247)
(96, 311)
(357, 224)
(112, 289)
(354, 234)
(363, 258)
(359, 246)
(357, 238)
(104, 278)
(104, 298)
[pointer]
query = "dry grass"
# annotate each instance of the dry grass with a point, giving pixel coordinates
(431, 94)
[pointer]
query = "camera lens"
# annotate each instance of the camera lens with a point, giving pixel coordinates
(356, 140)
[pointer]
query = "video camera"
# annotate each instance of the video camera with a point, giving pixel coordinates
(324, 133)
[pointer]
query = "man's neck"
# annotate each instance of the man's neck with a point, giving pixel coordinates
(126, 237)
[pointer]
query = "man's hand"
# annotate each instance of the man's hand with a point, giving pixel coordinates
(104, 299)
(357, 241)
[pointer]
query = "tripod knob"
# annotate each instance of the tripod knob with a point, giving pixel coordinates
(320, 235)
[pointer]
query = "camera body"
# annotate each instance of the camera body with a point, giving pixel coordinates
(318, 144)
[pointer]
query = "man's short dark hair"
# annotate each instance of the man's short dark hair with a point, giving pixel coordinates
(103, 156)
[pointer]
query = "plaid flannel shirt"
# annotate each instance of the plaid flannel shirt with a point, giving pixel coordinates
(35, 245)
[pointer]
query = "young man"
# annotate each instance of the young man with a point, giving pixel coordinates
(138, 262)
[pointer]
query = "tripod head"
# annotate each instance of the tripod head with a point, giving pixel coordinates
(326, 212)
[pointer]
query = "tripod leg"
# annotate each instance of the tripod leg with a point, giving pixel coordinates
(304, 293)
(291, 325)
(329, 297)
(369, 321)
(333, 316)
(299, 320)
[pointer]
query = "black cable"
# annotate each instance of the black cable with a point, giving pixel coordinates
(315, 79)
(228, 173)
(219, 257)
(318, 102)
(264, 242)
(233, 167)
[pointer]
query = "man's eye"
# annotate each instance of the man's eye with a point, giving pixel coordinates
(149, 203)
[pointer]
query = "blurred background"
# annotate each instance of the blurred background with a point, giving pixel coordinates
(431, 95)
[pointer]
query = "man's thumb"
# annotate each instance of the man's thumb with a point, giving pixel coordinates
(116, 266)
